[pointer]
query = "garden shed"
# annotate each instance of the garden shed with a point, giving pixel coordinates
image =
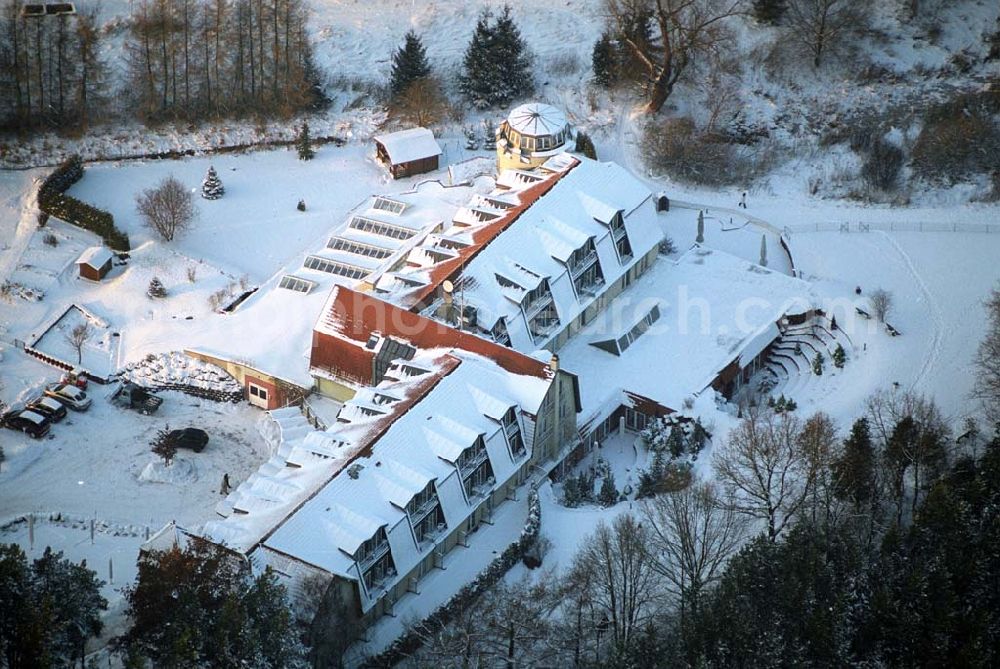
(95, 263)
(408, 152)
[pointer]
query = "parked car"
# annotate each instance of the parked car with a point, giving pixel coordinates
(131, 396)
(33, 424)
(190, 437)
(71, 396)
(48, 407)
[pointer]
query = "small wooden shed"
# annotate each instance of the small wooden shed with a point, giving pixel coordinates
(95, 263)
(408, 152)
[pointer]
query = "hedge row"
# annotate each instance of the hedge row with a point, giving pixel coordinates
(406, 645)
(52, 200)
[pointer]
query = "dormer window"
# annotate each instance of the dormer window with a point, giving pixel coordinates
(474, 466)
(500, 334)
(540, 310)
(585, 268)
(374, 558)
(425, 515)
(620, 235)
(512, 432)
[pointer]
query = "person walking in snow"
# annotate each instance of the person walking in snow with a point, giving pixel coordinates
(743, 201)
(224, 490)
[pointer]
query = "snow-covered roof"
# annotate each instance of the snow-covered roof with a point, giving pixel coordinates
(713, 309)
(276, 323)
(325, 493)
(564, 207)
(95, 256)
(536, 119)
(411, 144)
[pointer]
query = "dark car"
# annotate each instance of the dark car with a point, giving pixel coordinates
(45, 405)
(190, 438)
(33, 424)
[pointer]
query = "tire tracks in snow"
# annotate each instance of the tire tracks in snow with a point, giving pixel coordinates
(932, 308)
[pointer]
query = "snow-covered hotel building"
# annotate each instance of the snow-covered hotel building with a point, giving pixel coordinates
(471, 338)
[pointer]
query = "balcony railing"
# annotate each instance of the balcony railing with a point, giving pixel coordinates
(618, 232)
(538, 305)
(374, 557)
(470, 466)
(419, 513)
(511, 428)
(576, 269)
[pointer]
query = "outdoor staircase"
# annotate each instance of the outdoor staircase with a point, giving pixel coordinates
(789, 362)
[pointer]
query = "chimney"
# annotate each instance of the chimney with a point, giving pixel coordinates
(446, 310)
(554, 362)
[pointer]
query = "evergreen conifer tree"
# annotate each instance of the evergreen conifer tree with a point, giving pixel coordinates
(497, 66)
(769, 11)
(675, 442)
(156, 289)
(854, 471)
(211, 186)
(409, 63)
(585, 145)
(604, 60)
(303, 143)
(817, 364)
(609, 493)
(839, 356)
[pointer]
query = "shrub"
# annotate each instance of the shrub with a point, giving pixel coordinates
(679, 149)
(882, 165)
(585, 145)
(50, 239)
(959, 138)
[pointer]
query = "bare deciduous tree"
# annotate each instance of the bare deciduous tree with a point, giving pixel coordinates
(684, 31)
(168, 208)
(516, 624)
(818, 440)
(765, 469)
(987, 388)
(421, 103)
(821, 25)
(78, 337)
(692, 534)
(881, 303)
(616, 564)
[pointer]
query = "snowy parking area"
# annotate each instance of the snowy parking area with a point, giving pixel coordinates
(91, 463)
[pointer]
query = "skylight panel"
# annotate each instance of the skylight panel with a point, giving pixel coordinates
(388, 205)
(292, 282)
(334, 267)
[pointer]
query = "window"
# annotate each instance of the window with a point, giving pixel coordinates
(512, 431)
(500, 334)
(394, 207)
(358, 248)
(257, 391)
(291, 282)
(334, 267)
(365, 224)
(424, 512)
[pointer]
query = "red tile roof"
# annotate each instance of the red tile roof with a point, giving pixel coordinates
(351, 318)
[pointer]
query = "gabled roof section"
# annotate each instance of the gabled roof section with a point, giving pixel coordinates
(95, 256)
(410, 144)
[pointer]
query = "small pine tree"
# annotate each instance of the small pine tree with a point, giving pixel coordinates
(303, 143)
(471, 138)
(604, 60)
(675, 442)
(585, 145)
(163, 446)
(585, 485)
(699, 435)
(817, 364)
(409, 63)
(211, 186)
(839, 356)
(769, 11)
(156, 289)
(791, 405)
(571, 492)
(700, 239)
(609, 493)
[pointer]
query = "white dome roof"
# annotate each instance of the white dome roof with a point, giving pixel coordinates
(536, 119)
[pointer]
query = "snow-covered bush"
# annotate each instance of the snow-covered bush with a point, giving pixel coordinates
(156, 289)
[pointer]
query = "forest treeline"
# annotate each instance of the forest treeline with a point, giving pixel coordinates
(183, 59)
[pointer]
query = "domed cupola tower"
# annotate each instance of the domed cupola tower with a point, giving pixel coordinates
(532, 133)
